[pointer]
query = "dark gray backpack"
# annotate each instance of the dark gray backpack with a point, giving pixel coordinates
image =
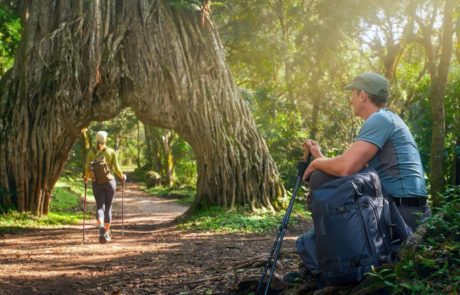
(352, 225)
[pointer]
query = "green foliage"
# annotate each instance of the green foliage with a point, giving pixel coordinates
(192, 4)
(184, 194)
(290, 74)
(280, 127)
(69, 187)
(180, 159)
(10, 34)
(185, 4)
(185, 167)
(420, 122)
(123, 136)
(294, 62)
(218, 220)
(14, 221)
(433, 266)
(128, 136)
(65, 209)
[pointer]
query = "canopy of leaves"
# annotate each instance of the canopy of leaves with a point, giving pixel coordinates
(292, 59)
(10, 34)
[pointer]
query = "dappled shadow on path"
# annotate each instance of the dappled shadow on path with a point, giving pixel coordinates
(167, 261)
(153, 256)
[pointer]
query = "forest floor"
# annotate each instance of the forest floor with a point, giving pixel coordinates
(153, 256)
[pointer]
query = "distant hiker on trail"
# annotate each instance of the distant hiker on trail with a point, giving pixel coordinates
(100, 164)
(384, 144)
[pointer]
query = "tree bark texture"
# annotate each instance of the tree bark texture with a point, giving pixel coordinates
(81, 61)
(438, 89)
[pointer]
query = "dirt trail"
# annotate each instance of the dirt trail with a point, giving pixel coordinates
(153, 257)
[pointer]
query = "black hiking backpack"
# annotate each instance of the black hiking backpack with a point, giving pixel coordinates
(352, 223)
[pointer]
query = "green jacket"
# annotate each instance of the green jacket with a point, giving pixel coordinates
(110, 157)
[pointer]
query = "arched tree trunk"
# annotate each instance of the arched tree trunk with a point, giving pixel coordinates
(81, 61)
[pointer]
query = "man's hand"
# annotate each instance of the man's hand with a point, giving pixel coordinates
(314, 148)
(85, 179)
(309, 170)
(123, 178)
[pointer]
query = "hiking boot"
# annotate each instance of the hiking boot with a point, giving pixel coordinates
(102, 233)
(107, 237)
(299, 277)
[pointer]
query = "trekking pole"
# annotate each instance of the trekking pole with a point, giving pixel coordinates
(123, 207)
(84, 210)
(276, 248)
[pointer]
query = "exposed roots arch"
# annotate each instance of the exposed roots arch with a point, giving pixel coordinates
(92, 60)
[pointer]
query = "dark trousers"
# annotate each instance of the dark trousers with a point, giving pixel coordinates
(414, 216)
(104, 195)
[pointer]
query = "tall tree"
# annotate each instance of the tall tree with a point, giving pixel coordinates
(153, 148)
(80, 61)
(296, 56)
(438, 45)
(159, 152)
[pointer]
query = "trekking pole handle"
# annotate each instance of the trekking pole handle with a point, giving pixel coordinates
(306, 152)
(306, 159)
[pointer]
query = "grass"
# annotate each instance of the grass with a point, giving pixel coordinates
(65, 209)
(218, 220)
(185, 195)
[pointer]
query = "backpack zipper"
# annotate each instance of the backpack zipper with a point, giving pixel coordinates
(379, 227)
(366, 233)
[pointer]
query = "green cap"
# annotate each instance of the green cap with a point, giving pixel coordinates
(371, 83)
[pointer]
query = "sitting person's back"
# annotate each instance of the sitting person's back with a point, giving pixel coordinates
(384, 144)
(398, 164)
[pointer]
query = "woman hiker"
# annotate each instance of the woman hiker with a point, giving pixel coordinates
(100, 163)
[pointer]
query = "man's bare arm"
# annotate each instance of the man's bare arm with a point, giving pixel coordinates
(351, 161)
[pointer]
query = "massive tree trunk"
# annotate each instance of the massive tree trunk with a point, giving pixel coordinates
(81, 61)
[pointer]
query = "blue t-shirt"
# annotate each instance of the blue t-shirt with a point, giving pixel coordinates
(398, 161)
